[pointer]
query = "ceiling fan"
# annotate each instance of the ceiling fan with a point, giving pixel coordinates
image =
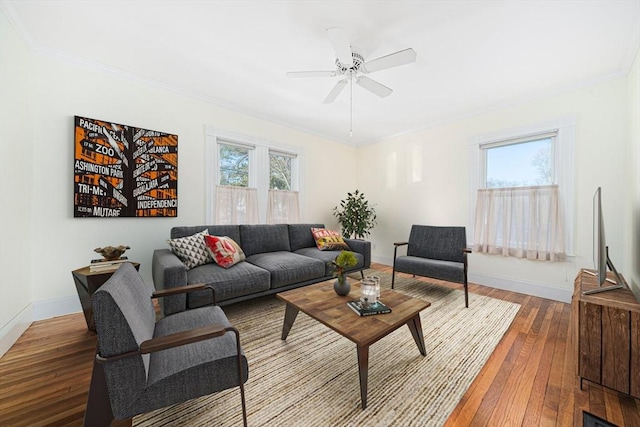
(351, 66)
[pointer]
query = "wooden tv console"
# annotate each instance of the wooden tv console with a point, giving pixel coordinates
(606, 333)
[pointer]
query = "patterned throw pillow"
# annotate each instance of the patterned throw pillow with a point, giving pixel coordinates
(191, 249)
(328, 240)
(224, 250)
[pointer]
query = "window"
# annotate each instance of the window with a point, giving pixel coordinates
(280, 170)
(519, 164)
(283, 205)
(521, 198)
(234, 165)
(251, 181)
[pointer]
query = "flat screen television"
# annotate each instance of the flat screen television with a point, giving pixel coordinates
(601, 252)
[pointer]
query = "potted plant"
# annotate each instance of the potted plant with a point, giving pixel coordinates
(344, 260)
(355, 215)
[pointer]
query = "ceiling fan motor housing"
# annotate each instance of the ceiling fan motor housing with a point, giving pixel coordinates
(358, 61)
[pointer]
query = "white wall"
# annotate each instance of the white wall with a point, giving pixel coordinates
(41, 241)
(633, 208)
(16, 180)
(423, 178)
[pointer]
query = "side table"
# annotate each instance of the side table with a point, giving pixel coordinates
(87, 282)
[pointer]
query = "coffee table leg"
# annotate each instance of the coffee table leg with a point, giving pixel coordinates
(415, 326)
(290, 315)
(363, 369)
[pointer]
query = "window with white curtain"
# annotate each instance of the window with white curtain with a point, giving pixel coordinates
(522, 192)
(251, 181)
(283, 205)
(522, 222)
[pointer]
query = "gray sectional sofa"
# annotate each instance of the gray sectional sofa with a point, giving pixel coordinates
(278, 257)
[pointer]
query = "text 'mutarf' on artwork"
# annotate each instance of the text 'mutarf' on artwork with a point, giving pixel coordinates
(124, 171)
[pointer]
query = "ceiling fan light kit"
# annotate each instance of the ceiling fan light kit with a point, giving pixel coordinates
(351, 65)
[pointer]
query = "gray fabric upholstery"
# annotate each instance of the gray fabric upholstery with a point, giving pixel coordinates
(232, 231)
(125, 318)
(189, 370)
(167, 270)
(256, 239)
(443, 270)
(443, 243)
(300, 236)
(327, 256)
(287, 268)
(361, 247)
(241, 279)
(247, 279)
(436, 252)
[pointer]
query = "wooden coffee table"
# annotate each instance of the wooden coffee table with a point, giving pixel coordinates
(320, 302)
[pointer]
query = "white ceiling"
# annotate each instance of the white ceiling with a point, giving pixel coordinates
(472, 55)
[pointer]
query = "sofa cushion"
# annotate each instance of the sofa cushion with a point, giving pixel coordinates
(241, 279)
(261, 238)
(232, 231)
(191, 249)
(287, 268)
(327, 257)
(328, 240)
(224, 250)
(300, 236)
(443, 270)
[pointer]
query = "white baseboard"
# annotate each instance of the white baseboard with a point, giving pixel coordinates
(46, 309)
(10, 332)
(522, 287)
(37, 310)
(508, 284)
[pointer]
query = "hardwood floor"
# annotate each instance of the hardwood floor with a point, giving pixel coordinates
(530, 379)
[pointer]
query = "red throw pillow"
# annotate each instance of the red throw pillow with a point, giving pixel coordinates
(328, 240)
(224, 250)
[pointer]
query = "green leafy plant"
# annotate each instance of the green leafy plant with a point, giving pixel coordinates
(355, 215)
(344, 260)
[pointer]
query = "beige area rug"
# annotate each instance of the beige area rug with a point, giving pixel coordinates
(311, 379)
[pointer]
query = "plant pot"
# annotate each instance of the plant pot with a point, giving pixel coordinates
(342, 287)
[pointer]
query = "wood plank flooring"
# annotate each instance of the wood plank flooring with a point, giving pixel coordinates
(530, 379)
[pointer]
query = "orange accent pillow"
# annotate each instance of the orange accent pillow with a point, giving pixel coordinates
(328, 240)
(224, 250)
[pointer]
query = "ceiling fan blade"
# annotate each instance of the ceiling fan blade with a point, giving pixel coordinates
(335, 92)
(341, 45)
(392, 60)
(300, 74)
(374, 87)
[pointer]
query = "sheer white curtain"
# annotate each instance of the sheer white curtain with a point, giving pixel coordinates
(522, 222)
(283, 208)
(236, 205)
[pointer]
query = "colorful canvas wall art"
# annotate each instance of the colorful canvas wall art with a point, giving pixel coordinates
(124, 171)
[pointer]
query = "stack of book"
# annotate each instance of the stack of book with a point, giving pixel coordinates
(375, 308)
(99, 265)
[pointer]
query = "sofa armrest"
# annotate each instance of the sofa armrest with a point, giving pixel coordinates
(169, 272)
(362, 247)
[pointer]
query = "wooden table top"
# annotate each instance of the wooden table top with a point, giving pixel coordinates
(86, 271)
(320, 302)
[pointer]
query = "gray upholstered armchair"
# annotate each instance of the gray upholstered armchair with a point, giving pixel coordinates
(143, 364)
(436, 252)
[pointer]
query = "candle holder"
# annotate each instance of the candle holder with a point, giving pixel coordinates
(376, 280)
(368, 295)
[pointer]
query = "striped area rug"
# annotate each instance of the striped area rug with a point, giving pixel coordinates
(311, 379)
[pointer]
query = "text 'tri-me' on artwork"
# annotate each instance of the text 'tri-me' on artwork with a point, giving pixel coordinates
(124, 171)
